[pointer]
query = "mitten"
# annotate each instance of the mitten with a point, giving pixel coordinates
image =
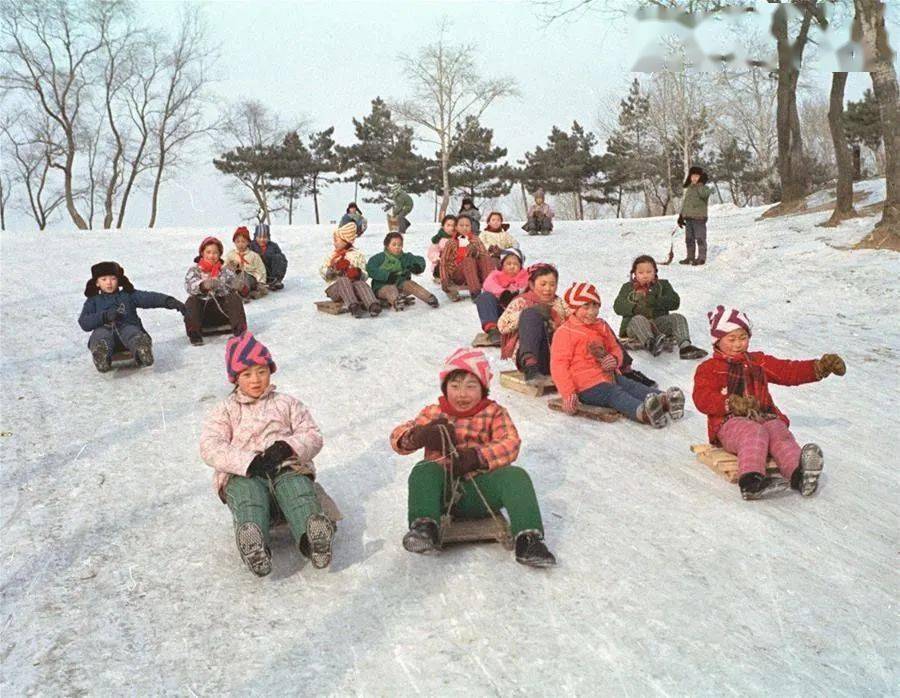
(680, 221)
(279, 452)
(743, 405)
(506, 298)
(175, 304)
(609, 363)
(570, 404)
(597, 350)
(494, 251)
(429, 436)
(110, 315)
(353, 273)
(704, 178)
(467, 460)
(828, 364)
(330, 274)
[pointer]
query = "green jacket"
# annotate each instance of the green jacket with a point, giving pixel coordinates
(409, 263)
(402, 204)
(696, 197)
(660, 299)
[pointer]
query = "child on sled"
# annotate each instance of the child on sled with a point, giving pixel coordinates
(470, 444)
(464, 261)
(391, 273)
(345, 271)
(540, 216)
(212, 299)
(110, 315)
(732, 389)
(645, 303)
(261, 443)
(498, 291)
(247, 265)
(439, 242)
(586, 363)
(272, 256)
(496, 236)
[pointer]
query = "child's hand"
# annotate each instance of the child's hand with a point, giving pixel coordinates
(597, 350)
(570, 404)
(828, 364)
(430, 436)
(466, 461)
(111, 315)
(175, 304)
(609, 363)
(742, 405)
(330, 274)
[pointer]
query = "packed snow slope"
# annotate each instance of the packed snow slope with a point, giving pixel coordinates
(120, 573)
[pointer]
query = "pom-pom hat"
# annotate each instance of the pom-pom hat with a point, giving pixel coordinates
(469, 360)
(245, 351)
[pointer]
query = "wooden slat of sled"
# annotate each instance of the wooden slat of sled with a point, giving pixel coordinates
(724, 463)
(474, 530)
(514, 380)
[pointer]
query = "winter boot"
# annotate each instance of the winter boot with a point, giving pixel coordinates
(673, 401)
(652, 411)
(100, 355)
(686, 260)
(357, 311)
(422, 536)
(806, 477)
(453, 295)
(759, 486)
(319, 536)
(143, 351)
(494, 337)
(473, 296)
(196, 339)
(691, 352)
(532, 374)
(699, 262)
(639, 377)
(531, 551)
(433, 301)
(656, 344)
(253, 549)
(375, 309)
(276, 286)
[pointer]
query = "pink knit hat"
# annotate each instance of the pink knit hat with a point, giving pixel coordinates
(723, 320)
(471, 361)
(243, 352)
(581, 293)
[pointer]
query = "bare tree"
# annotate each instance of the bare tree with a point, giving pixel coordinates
(5, 191)
(446, 88)
(32, 149)
(843, 208)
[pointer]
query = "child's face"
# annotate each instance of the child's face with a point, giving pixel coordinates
(108, 284)
(395, 247)
(538, 200)
(644, 273)
(464, 227)
(735, 342)
(695, 178)
(511, 265)
(544, 287)
(254, 380)
(449, 226)
(211, 253)
(241, 243)
(588, 313)
(464, 392)
(495, 221)
(353, 210)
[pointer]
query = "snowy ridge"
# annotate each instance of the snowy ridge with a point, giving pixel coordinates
(120, 574)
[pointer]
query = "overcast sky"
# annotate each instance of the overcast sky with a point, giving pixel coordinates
(326, 61)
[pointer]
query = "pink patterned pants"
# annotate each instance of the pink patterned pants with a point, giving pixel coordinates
(752, 442)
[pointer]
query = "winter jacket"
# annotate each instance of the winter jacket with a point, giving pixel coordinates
(410, 264)
(240, 427)
(358, 218)
(195, 276)
(352, 264)
(696, 198)
(448, 263)
(474, 215)
(491, 431)
(573, 367)
(499, 281)
(92, 311)
(253, 264)
(711, 384)
(659, 300)
(402, 204)
(497, 238)
(272, 251)
(508, 324)
(544, 209)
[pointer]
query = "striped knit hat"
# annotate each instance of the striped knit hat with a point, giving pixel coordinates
(581, 293)
(347, 232)
(243, 352)
(723, 320)
(469, 360)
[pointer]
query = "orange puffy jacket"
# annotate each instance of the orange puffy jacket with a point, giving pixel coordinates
(572, 364)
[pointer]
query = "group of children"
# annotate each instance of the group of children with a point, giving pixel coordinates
(262, 444)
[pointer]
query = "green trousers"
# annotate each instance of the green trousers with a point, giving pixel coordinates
(507, 488)
(252, 498)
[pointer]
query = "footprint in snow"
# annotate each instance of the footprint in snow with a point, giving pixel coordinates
(352, 363)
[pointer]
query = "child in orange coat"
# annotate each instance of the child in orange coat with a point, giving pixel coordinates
(586, 362)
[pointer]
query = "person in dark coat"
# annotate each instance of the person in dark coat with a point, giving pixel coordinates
(273, 257)
(693, 216)
(110, 315)
(355, 215)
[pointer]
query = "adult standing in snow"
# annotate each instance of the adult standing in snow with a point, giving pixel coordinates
(355, 215)
(693, 216)
(399, 206)
(540, 216)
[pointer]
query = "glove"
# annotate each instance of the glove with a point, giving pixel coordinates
(430, 436)
(175, 304)
(570, 404)
(466, 461)
(353, 273)
(110, 316)
(506, 298)
(543, 310)
(597, 350)
(609, 363)
(494, 251)
(330, 274)
(269, 461)
(210, 284)
(742, 405)
(828, 364)
(233, 265)
(680, 221)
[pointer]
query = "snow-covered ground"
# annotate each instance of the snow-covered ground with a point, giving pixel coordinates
(120, 574)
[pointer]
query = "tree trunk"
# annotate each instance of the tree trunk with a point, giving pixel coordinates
(445, 173)
(315, 194)
(524, 198)
(870, 15)
(157, 182)
(79, 222)
(619, 203)
(857, 162)
(355, 190)
(2, 207)
(843, 208)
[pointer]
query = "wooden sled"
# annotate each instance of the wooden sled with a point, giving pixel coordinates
(724, 463)
(481, 340)
(475, 531)
(599, 414)
(338, 308)
(514, 380)
(213, 330)
(122, 359)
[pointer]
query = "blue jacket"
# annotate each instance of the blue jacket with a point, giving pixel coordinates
(92, 313)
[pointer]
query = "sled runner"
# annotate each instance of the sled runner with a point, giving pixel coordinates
(514, 380)
(724, 463)
(212, 330)
(338, 307)
(481, 340)
(122, 359)
(599, 414)
(487, 529)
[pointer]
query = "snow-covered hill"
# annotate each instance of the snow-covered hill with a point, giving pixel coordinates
(120, 575)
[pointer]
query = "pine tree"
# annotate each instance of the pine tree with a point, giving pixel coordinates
(630, 148)
(289, 169)
(862, 123)
(251, 166)
(733, 165)
(324, 160)
(477, 171)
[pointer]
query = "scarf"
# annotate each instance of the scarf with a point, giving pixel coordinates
(447, 408)
(748, 379)
(644, 289)
(392, 264)
(263, 244)
(210, 268)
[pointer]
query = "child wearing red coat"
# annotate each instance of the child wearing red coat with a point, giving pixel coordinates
(732, 389)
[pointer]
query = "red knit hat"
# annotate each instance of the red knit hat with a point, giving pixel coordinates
(581, 293)
(469, 360)
(241, 232)
(243, 352)
(210, 240)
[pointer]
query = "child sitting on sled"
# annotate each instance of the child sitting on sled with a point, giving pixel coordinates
(498, 291)
(391, 272)
(272, 256)
(345, 271)
(529, 321)
(464, 261)
(732, 389)
(470, 444)
(586, 364)
(247, 265)
(110, 315)
(261, 443)
(439, 242)
(540, 216)
(212, 298)
(496, 236)
(645, 303)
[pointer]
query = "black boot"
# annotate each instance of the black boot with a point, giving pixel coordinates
(375, 309)
(100, 355)
(357, 311)
(253, 549)
(699, 262)
(691, 352)
(686, 260)
(143, 351)
(196, 339)
(806, 477)
(433, 301)
(531, 551)
(319, 536)
(758, 486)
(656, 344)
(532, 374)
(422, 536)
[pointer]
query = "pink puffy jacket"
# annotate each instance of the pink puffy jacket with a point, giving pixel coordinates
(239, 428)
